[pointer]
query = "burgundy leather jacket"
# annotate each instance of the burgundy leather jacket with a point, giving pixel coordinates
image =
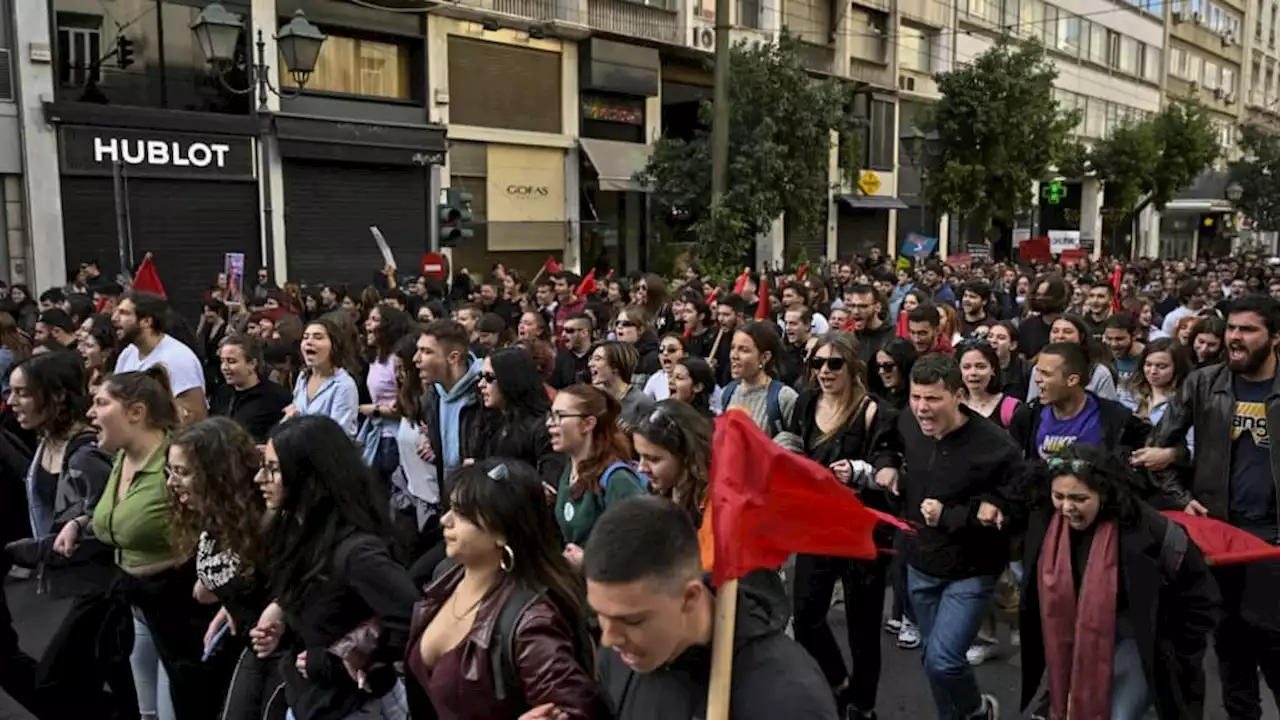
(543, 654)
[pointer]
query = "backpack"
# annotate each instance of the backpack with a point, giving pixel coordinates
(1008, 406)
(772, 404)
(502, 642)
(623, 465)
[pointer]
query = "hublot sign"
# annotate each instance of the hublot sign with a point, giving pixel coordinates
(162, 154)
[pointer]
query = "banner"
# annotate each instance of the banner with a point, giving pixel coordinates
(388, 259)
(233, 269)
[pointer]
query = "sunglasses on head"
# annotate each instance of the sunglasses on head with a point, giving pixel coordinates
(836, 364)
(1062, 465)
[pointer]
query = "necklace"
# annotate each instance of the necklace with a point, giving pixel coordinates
(453, 609)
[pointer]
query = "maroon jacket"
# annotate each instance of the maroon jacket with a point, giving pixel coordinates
(545, 661)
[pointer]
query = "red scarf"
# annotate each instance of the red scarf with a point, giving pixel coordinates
(1079, 636)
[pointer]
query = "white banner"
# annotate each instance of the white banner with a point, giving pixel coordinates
(1062, 240)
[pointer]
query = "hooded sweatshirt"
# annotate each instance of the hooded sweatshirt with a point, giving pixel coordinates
(452, 402)
(773, 676)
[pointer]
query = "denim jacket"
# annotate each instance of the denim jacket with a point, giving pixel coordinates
(338, 398)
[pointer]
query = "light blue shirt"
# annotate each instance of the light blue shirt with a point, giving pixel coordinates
(337, 398)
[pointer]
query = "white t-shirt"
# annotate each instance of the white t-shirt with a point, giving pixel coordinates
(184, 367)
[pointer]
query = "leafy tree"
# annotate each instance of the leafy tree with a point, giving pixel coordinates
(1001, 130)
(780, 123)
(1127, 162)
(1258, 173)
(1188, 145)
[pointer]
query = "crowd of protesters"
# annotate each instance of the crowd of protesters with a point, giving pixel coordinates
(483, 499)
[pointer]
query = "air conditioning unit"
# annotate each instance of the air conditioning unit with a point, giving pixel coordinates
(703, 37)
(1197, 18)
(1228, 39)
(1219, 94)
(1177, 17)
(1229, 98)
(906, 82)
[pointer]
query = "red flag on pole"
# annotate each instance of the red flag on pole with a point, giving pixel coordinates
(741, 283)
(147, 279)
(551, 267)
(762, 307)
(1117, 276)
(588, 285)
(768, 503)
(804, 270)
(1222, 543)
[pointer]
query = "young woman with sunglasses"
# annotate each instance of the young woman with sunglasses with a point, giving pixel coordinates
(510, 384)
(670, 352)
(504, 555)
(893, 365)
(674, 446)
(634, 326)
(840, 426)
(583, 423)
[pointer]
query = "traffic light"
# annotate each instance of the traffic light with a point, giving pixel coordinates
(455, 217)
(124, 52)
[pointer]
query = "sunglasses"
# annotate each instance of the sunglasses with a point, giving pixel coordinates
(489, 378)
(625, 324)
(886, 367)
(1074, 466)
(836, 364)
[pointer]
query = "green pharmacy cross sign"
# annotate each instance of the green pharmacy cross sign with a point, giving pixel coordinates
(1054, 192)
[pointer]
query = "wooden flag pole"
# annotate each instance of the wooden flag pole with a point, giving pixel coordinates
(711, 356)
(720, 690)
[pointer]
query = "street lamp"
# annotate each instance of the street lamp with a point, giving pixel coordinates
(217, 31)
(1235, 192)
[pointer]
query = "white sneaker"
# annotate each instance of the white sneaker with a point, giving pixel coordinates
(990, 708)
(892, 626)
(979, 653)
(908, 636)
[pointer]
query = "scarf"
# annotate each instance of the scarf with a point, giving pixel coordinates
(1079, 636)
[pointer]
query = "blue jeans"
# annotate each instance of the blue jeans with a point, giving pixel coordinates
(150, 681)
(1130, 697)
(950, 613)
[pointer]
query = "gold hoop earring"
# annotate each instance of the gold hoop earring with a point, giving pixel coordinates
(508, 562)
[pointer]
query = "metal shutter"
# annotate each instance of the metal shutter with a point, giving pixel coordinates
(328, 209)
(188, 226)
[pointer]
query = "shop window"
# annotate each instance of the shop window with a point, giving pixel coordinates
(504, 86)
(79, 49)
(355, 66)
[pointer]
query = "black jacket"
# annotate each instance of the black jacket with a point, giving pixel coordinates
(1122, 431)
(1016, 377)
(526, 438)
(1171, 616)
(773, 677)
(973, 464)
(476, 426)
(257, 409)
(570, 369)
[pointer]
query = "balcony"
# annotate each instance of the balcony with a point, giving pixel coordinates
(872, 72)
(540, 10)
(927, 12)
(818, 58)
(630, 19)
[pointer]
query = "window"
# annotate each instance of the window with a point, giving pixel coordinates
(1011, 14)
(1178, 63)
(1228, 79)
(353, 66)
(915, 49)
(749, 13)
(1097, 43)
(1198, 7)
(1212, 79)
(1129, 59)
(1069, 33)
(1196, 65)
(1049, 28)
(1151, 68)
(1095, 118)
(880, 136)
(79, 49)
(1032, 18)
(1113, 49)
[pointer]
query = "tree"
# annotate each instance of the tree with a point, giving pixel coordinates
(1001, 130)
(780, 123)
(1258, 173)
(1188, 144)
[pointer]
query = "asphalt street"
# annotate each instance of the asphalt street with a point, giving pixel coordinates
(903, 694)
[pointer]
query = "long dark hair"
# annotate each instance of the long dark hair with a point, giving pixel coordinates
(393, 325)
(225, 460)
(700, 373)
(329, 493)
(684, 432)
(408, 390)
(505, 497)
(520, 383)
(57, 382)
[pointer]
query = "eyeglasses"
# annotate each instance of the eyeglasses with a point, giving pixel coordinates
(555, 418)
(488, 378)
(836, 364)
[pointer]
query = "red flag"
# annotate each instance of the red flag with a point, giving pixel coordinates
(767, 503)
(762, 307)
(741, 283)
(804, 270)
(588, 285)
(147, 279)
(1117, 276)
(551, 267)
(1222, 543)
(711, 295)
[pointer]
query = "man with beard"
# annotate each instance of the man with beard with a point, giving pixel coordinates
(866, 304)
(1121, 336)
(730, 314)
(1097, 307)
(974, 299)
(140, 320)
(1233, 477)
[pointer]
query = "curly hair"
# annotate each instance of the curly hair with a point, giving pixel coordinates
(1119, 488)
(223, 462)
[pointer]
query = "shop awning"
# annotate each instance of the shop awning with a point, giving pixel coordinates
(617, 163)
(872, 202)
